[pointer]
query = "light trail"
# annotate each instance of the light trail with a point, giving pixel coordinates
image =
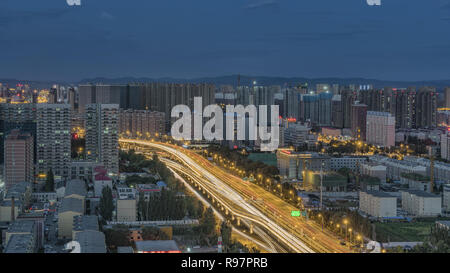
(235, 195)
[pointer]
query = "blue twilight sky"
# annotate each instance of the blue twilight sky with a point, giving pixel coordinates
(49, 40)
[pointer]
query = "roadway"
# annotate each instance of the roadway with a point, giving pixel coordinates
(271, 217)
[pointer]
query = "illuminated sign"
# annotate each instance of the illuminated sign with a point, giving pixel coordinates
(296, 213)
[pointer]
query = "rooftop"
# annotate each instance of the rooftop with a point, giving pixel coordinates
(380, 194)
(75, 186)
(71, 204)
(85, 222)
(155, 246)
(423, 194)
(20, 243)
(21, 227)
(91, 241)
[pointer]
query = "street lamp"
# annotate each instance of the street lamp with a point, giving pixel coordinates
(346, 224)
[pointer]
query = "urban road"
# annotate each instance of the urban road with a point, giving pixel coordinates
(266, 215)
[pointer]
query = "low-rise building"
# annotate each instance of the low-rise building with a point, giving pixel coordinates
(421, 204)
(378, 204)
(292, 165)
(126, 210)
(83, 223)
(124, 192)
(369, 183)
(101, 181)
(416, 181)
(350, 162)
(70, 207)
(7, 212)
(375, 170)
(43, 197)
(159, 246)
(91, 241)
(331, 182)
(20, 243)
(446, 197)
(20, 228)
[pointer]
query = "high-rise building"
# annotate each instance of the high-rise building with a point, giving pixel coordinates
(162, 97)
(16, 116)
(53, 139)
(426, 107)
(102, 138)
(359, 117)
(19, 158)
(141, 123)
(447, 97)
(380, 129)
(337, 115)
(325, 108)
(348, 97)
(292, 99)
(445, 146)
(102, 94)
(404, 107)
(322, 88)
(310, 108)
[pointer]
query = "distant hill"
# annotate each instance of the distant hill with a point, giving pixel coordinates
(244, 80)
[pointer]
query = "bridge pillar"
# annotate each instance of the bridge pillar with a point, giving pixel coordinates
(238, 221)
(251, 228)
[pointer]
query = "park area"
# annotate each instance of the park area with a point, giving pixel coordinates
(266, 158)
(403, 232)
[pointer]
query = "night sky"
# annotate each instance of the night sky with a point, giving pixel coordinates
(49, 40)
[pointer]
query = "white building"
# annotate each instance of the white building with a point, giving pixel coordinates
(446, 197)
(351, 162)
(102, 138)
(375, 170)
(380, 129)
(126, 210)
(53, 139)
(395, 168)
(378, 204)
(421, 204)
(445, 146)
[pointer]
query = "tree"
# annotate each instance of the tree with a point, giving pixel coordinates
(50, 181)
(117, 236)
(106, 205)
(153, 233)
(208, 222)
(225, 232)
